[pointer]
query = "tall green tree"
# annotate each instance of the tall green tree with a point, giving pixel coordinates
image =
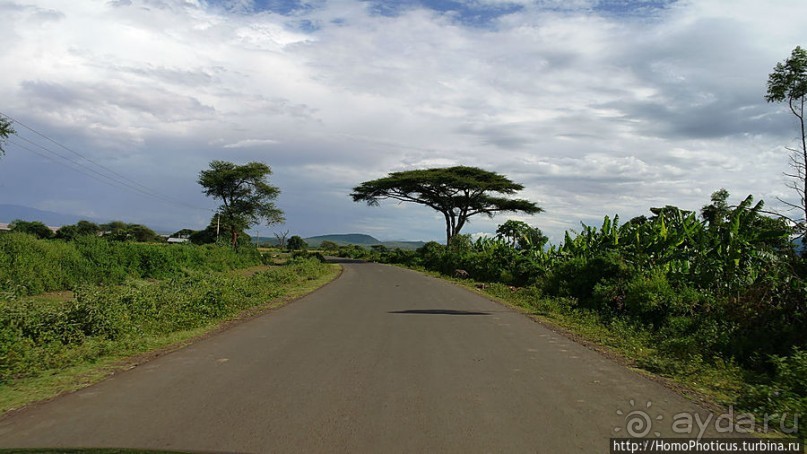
(458, 193)
(788, 83)
(5, 131)
(246, 195)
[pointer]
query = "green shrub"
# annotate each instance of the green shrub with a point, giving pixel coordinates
(30, 266)
(784, 393)
(578, 276)
(36, 336)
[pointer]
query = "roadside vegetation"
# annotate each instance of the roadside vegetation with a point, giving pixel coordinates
(69, 306)
(29, 265)
(716, 300)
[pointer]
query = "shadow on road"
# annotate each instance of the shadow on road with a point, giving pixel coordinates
(438, 312)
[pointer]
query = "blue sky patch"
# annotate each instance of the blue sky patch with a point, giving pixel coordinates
(632, 7)
(467, 13)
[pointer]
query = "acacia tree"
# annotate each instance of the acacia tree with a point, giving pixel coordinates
(456, 192)
(246, 196)
(788, 83)
(5, 131)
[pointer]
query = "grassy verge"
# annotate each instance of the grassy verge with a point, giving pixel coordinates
(51, 345)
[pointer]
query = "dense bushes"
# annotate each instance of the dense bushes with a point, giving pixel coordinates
(37, 335)
(30, 266)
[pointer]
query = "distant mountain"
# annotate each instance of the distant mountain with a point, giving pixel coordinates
(10, 213)
(406, 245)
(361, 240)
(343, 239)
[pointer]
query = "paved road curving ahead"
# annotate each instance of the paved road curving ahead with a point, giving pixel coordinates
(381, 360)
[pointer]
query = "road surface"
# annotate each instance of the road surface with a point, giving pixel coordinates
(381, 360)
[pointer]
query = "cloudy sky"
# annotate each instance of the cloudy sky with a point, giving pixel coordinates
(596, 106)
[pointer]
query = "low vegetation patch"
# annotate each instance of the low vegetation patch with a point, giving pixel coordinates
(29, 265)
(41, 336)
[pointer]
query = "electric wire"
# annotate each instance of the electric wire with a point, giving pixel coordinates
(104, 175)
(56, 161)
(107, 169)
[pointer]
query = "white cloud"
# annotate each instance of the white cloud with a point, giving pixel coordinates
(594, 113)
(247, 143)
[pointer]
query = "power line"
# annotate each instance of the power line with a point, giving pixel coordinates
(54, 160)
(73, 151)
(105, 175)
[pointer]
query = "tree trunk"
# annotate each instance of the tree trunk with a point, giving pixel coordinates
(804, 168)
(234, 238)
(448, 228)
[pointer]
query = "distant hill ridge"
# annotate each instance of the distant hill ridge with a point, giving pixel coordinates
(361, 239)
(343, 239)
(9, 213)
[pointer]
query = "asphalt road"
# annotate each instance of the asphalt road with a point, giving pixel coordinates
(381, 360)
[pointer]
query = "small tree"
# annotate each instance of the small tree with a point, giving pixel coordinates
(81, 228)
(246, 195)
(715, 213)
(521, 235)
(296, 243)
(35, 228)
(281, 239)
(142, 234)
(788, 82)
(115, 230)
(457, 192)
(329, 246)
(5, 131)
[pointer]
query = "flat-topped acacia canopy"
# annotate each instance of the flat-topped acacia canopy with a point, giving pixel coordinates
(457, 192)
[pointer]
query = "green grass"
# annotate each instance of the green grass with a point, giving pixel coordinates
(51, 345)
(30, 266)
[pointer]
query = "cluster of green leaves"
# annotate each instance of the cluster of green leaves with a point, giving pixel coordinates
(29, 265)
(36, 335)
(725, 287)
(376, 253)
(6, 130)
